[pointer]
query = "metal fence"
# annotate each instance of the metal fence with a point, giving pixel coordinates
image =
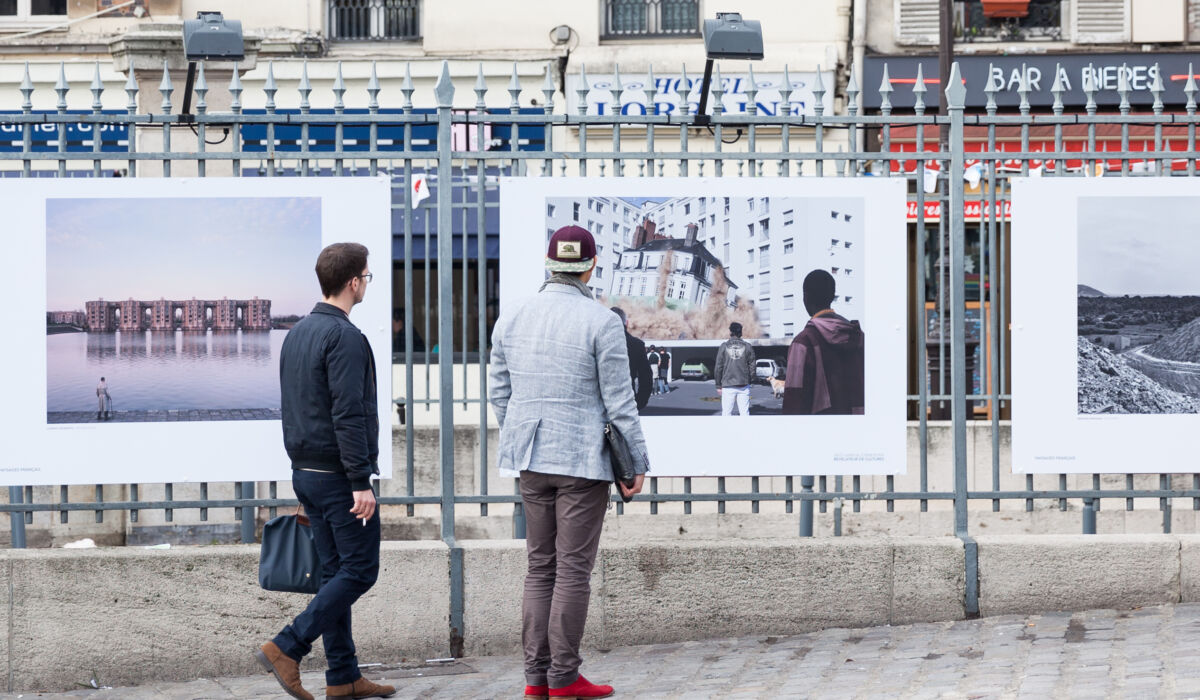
(465, 188)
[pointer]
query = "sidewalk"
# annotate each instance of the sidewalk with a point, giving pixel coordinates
(1144, 653)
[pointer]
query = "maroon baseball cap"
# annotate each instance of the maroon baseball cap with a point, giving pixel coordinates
(571, 250)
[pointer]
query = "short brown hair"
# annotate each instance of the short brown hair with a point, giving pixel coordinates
(338, 264)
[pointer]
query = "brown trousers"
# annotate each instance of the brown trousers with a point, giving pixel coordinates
(563, 519)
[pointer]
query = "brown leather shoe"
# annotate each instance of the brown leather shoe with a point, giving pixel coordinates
(361, 688)
(285, 669)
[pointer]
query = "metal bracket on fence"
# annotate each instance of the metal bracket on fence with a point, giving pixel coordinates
(17, 518)
(1089, 516)
(806, 506)
(971, 587)
(457, 585)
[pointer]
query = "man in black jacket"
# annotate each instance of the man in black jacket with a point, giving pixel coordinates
(639, 366)
(331, 433)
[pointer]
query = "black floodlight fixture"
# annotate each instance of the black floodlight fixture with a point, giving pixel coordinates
(209, 37)
(212, 37)
(727, 36)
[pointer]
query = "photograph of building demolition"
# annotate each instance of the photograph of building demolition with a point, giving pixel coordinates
(683, 269)
(1138, 302)
(150, 323)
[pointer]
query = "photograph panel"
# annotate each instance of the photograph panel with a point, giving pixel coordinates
(146, 327)
(786, 272)
(1138, 302)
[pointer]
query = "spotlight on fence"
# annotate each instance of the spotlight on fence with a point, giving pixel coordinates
(727, 36)
(209, 37)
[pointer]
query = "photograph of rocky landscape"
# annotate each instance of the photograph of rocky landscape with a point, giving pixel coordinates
(1138, 305)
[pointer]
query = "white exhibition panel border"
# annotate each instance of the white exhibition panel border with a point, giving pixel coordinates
(873, 443)
(1049, 435)
(36, 453)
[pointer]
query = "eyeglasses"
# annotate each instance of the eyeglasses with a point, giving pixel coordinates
(368, 277)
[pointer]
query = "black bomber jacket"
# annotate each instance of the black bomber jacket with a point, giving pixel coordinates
(328, 391)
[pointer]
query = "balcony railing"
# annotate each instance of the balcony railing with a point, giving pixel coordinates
(638, 19)
(1043, 23)
(374, 20)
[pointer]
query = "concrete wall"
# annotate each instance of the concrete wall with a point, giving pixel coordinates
(670, 592)
(132, 615)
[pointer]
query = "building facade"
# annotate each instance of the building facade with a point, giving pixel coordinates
(199, 315)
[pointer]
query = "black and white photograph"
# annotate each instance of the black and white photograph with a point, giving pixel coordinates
(1139, 307)
(728, 292)
(1105, 324)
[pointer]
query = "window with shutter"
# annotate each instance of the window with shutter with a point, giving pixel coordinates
(1100, 21)
(916, 22)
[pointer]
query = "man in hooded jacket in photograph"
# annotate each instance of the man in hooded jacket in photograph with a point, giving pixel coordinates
(826, 360)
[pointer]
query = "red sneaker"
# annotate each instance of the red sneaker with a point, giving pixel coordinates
(537, 692)
(580, 689)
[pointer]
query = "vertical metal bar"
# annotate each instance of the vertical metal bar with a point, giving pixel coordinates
(204, 497)
(273, 488)
(169, 495)
(165, 89)
(305, 88)
(890, 489)
(922, 291)
(987, 303)
(653, 492)
(444, 91)
(63, 498)
(1164, 503)
(819, 119)
(754, 489)
(955, 102)
(789, 505)
(481, 313)
(406, 89)
(16, 519)
(373, 90)
(27, 128)
(249, 513)
(466, 288)
(955, 94)
(133, 496)
(837, 506)
(721, 489)
(97, 108)
(99, 500)
(201, 89)
(61, 88)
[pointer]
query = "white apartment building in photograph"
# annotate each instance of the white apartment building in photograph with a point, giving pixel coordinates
(766, 246)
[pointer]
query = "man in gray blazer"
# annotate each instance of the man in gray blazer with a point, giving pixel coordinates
(559, 371)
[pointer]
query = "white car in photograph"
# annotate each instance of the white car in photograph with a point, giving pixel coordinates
(766, 370)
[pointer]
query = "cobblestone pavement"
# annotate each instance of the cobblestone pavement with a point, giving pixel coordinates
(1144, 653)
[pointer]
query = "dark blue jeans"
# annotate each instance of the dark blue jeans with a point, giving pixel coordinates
(349, 566)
